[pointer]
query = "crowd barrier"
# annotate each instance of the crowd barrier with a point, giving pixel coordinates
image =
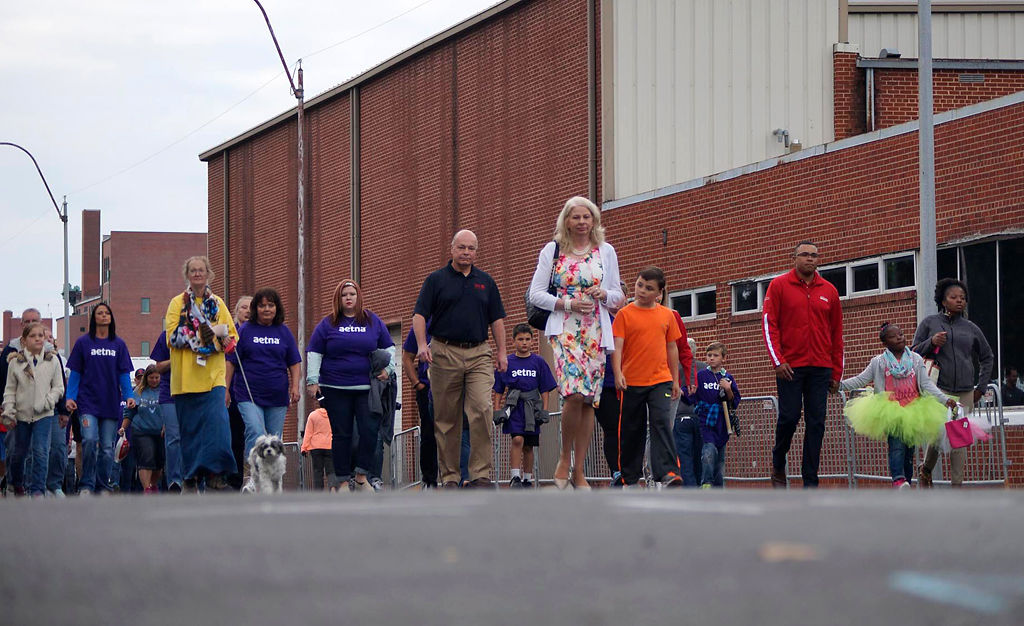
(844, 454)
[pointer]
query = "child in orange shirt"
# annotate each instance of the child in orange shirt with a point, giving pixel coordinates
(646, 366)
(316, 442)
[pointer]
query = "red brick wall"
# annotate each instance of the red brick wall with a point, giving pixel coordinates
(896, 92)
(147, 265)
(848, 95)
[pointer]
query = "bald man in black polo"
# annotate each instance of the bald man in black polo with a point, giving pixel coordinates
(461, 302)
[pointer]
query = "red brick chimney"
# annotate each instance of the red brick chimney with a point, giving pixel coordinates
(90, 253)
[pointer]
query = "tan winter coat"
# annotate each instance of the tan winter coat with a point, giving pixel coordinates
(32, 392)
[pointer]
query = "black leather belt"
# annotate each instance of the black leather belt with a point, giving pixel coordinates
(457, 344)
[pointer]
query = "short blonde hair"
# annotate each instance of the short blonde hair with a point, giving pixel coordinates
(561, 235)
(206, 261)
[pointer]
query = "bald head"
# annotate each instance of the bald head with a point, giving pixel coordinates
(464, 245)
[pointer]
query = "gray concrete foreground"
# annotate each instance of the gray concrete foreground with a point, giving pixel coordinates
(693, 557)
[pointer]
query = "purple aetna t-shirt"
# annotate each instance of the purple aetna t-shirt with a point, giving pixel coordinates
(266, 353)
(421, 366)
(346, 349)
(525, 374)
(100, 362)
(162, 353)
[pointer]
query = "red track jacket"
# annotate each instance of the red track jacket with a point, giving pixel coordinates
(803, 324)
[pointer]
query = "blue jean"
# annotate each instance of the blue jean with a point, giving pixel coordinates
(32, 438)
(809, 389)
(689, 446)
(901, 459)
(464, 451)
(97, 453)
(172, 444)
(58, 456)
(205, 434)
(347, 409)
(260, 420)
(712, 459)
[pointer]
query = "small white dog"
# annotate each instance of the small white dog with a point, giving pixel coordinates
(266, 465)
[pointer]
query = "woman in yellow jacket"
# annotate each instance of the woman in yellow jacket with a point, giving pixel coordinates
(199, 332)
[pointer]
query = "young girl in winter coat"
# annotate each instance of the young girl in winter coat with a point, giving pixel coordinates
(34, 385)
(899, 411)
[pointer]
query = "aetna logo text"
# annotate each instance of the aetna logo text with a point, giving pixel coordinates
(103, 352)
(524, 373)
(351, 329)
(270, 341)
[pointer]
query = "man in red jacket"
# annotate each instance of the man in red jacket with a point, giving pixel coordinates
(803, 331)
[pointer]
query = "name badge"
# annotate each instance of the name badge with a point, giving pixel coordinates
(201, 360)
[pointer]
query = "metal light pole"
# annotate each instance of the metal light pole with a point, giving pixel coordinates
(64, 218)
(926, 151)
(301, 214)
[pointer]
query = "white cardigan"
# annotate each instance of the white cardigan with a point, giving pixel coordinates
(539, 296)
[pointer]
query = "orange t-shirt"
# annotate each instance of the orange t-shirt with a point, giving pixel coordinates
(646, 334)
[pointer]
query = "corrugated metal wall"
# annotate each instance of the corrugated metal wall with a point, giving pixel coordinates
(954, 35)
(698, 86)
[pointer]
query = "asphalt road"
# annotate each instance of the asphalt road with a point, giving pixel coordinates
(693, 557)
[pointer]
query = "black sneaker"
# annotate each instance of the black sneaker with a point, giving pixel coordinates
(174, 488)
(190, 486)
(515, 483)
(617, 481)
(527, 484)
(217, 482)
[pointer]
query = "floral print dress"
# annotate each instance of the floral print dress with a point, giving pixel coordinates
(579, 358)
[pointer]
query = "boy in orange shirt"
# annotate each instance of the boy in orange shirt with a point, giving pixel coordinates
(646, 366)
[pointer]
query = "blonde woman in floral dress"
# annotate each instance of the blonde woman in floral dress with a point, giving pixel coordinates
(585, 273)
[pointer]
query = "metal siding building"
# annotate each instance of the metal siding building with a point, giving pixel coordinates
(955, 35)
(698, 86)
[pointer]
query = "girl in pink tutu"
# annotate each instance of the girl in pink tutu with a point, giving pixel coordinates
(903, 410)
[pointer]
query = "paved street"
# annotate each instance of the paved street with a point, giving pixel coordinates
(735, 557)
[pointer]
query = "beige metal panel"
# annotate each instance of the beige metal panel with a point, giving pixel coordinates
(699, 85)
(958, 35)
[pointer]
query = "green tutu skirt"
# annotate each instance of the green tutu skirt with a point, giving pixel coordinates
(877, 417)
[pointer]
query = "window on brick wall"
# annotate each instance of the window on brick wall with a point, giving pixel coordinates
(748, 295)
(863, 277)
(836, 276)
(694, 303)
(145, 349)
(144, 305)
(899, 272)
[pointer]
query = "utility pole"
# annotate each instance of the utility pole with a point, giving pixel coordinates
(926, 150)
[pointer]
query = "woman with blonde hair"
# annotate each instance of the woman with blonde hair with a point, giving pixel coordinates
(584, 270)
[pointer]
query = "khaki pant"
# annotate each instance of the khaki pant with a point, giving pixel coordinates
(461, 380)
(957, 456)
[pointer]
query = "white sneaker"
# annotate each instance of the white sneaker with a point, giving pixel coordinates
(84, 491)
(377, 484)
(56, 493)
(905, 485)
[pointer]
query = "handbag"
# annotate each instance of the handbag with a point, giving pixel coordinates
(536, 316)
(958, 431)
(932, 368)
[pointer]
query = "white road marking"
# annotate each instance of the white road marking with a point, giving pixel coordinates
(691, 506)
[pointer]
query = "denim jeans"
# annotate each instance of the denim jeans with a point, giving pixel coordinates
(172, 444)
(32, 438)
(712, 459)
(689, 447)
(377, 471)
(98, 453)
(260, 420)
(901, 459)
(58, 456)
(464, 451)
(346, 410)
(809, 389)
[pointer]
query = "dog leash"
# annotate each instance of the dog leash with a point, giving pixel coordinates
(241, 369)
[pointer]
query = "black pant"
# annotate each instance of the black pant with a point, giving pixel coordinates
(237, 444)
(428, 443)
(640, 404)
(323, 462)
(607, 414)
(349, 410)
(808, 388)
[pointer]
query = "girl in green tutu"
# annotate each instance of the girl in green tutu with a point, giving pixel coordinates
(899, 411)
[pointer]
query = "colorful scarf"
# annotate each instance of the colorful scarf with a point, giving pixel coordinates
(904, 381)
(194, 330)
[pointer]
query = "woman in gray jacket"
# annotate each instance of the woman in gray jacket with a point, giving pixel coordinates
(954, 343)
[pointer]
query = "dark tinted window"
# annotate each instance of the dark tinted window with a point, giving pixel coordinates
(899, 272)
(744, 296)
(865, 277)
(706, 303)
(683, 304)
(836, 276)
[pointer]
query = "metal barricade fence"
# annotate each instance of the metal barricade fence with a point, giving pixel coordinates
(405, 459)
(986, 463)
(748, 457)
(501, 471)
(293, 480)
(869, 458)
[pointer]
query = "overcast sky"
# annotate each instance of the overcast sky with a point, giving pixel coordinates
(116, 99)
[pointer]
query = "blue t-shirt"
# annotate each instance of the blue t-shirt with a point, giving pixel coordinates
(525, 374)
(346, 349)
(100, 362)
(162, 353)
(146, 417)
(421, 366)
(266, 352)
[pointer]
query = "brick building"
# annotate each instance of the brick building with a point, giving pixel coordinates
(137, 273)
(12, 326)
(492, 124)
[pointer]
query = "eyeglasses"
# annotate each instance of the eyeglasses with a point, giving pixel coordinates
(812, 255)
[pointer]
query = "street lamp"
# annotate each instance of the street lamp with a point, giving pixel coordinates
(301, 278)
(64, 218)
